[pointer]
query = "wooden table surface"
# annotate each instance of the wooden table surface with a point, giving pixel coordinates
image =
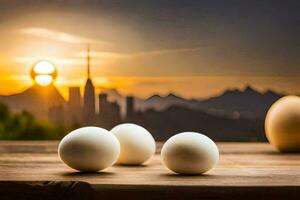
(32, 170)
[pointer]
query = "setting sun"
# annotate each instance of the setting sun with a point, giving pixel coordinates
(43, 80)
(43, 73)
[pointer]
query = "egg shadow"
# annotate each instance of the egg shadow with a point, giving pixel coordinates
(86, 174)
(130, 165)
(175, 175)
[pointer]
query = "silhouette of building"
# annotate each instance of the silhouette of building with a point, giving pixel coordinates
(103, 105)
(74, 97)
(74, 105)
(115, 111)
(130, 107)
(109, 112)
(89, 97)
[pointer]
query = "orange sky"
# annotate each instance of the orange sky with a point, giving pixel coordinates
(187, 86)
(125, 71)
(140, 56)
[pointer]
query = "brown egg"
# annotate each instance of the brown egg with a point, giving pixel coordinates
(282, 124)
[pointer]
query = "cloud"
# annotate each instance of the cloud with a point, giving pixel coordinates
(106, 54)
(167, 51)
(103, 54)
(14, 77)
(56, 60)
(60, 36)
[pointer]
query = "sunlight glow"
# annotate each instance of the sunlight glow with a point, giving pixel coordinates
(43, 73)
(43, 80)
(44, 67)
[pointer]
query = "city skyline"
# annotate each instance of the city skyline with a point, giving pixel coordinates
(161, 47)
(88, 85)
(44, 102)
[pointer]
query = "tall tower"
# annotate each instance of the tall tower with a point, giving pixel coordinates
(89, 111)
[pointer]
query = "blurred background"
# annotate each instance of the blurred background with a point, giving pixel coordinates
(169, 65)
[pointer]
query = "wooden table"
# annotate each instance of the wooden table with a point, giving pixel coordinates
(32, 170)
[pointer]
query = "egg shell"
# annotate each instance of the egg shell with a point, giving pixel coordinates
(282, 124)
(189, 153)
(89, 149)
(137, 144)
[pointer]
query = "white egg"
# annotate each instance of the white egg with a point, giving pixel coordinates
(89, 149)
(137, 144)
(190, 153)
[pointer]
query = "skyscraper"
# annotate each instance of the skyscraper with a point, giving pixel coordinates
(109, 112)
(129, 107)
(74, 97)
(89, 96)
(103, 105)
(74, 105)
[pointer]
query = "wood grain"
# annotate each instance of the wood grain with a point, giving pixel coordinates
(245, 170)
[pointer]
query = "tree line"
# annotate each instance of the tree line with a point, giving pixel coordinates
(24, 126)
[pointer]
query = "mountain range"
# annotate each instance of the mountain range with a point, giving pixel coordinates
(234, 115)
(235, 103)
(246, 103)
(35, 99)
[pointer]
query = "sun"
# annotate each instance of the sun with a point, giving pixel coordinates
(43, 73)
